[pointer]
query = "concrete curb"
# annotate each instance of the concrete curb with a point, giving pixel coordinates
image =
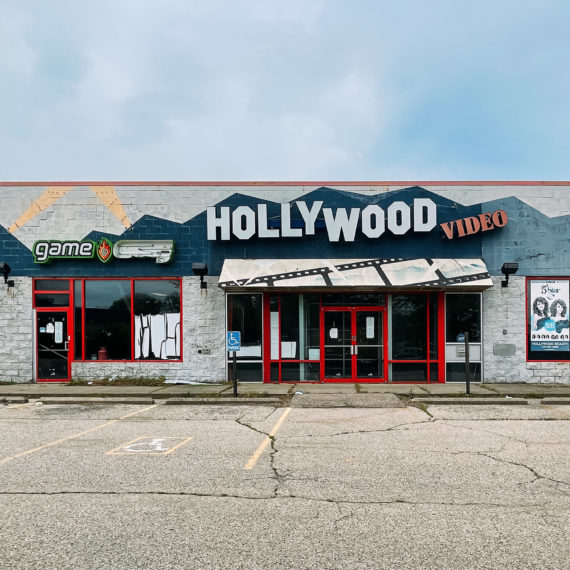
(435, 401)
(223, 401)
(347, 401)
(556, 401)
(13, 400)
(94, 400)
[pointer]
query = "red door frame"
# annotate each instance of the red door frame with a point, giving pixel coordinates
(353, 343)
(70, 337)
(440, 360)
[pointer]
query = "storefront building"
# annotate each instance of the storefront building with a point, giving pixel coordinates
(324, 282)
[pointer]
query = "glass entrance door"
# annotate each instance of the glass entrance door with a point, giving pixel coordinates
(353, 345)
(369, 346)
(338, 349)
(52, 346)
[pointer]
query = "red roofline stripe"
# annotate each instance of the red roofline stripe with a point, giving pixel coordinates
(335, 183)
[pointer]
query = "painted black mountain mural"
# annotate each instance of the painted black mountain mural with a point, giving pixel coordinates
(532, 239)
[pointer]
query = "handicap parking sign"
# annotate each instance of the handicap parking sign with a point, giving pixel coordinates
(233, 340)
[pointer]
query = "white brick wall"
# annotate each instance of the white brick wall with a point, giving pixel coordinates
(504, 322)
(16, 331)
(203, 338)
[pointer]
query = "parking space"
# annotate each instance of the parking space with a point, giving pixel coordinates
(73, 448)
(172, 482)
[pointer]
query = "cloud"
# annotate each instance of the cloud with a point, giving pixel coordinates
(287, 89)
(16, 54)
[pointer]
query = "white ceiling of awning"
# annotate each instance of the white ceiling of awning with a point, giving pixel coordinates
(366, 273)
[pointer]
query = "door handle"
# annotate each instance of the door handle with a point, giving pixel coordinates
(66, 345)
(356, 349)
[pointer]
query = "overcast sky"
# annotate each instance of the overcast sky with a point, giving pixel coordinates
(284, 90)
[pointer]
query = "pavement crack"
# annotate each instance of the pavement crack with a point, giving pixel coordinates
(330, 501)
(537, 475)
(245, 424)
(279, 478)
(451, 423)
(405, 425)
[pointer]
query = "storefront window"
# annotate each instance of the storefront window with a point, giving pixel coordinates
(51, 285)
(78, 318)
(414, 327)
(463, 314)
(108, 318)
(409, 327)
(52, 299)
(295, 336)
(157, 319)
(456, 372)
(244, 314)
(120, 325)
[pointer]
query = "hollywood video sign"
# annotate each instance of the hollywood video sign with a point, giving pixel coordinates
(399, 218)
(104, 250)
(245, 222)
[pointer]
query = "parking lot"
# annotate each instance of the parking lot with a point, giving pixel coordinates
(130, 486)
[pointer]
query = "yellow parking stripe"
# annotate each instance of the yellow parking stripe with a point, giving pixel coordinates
(74, 436)
(253, 459)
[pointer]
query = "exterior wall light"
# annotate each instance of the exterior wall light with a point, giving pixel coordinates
(200, 269)
(508, 269)
(5, 270)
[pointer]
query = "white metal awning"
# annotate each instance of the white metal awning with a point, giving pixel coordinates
(425, 273)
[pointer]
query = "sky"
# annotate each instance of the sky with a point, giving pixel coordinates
(284, 90)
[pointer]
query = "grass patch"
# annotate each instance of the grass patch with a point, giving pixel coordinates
(254, 395)
(120, 381)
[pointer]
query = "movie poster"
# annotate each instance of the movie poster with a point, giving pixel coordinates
(549, 315)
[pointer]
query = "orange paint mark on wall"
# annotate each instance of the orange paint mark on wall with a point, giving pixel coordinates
(108, 195)
(51, 195)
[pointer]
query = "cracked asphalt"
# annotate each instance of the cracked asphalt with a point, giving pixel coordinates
(448, 487)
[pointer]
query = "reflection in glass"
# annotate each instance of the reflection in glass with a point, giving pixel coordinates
(108, 318)
(354, 299)
(247, 371)
(338, 362)
(52, 299)
(245, 315)
(408, 372)
(433, 324)
(290, 326)
(293, 371)
(51, 284)
(463, 314)
(455, 372)
(409, 327)
(78, 322)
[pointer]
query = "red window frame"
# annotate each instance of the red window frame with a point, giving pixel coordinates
(440, 360)
(71, 330)
(267, 361)
(428, 361)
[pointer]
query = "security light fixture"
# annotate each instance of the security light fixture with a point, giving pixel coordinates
(5, 270)
(200, 269)
(508, 269)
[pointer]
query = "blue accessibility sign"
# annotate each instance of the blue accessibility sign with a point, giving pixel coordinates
(233, 340)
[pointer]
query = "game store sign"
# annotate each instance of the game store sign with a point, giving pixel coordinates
(103, 250)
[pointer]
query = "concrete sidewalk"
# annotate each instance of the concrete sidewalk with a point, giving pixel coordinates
(304, 394)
